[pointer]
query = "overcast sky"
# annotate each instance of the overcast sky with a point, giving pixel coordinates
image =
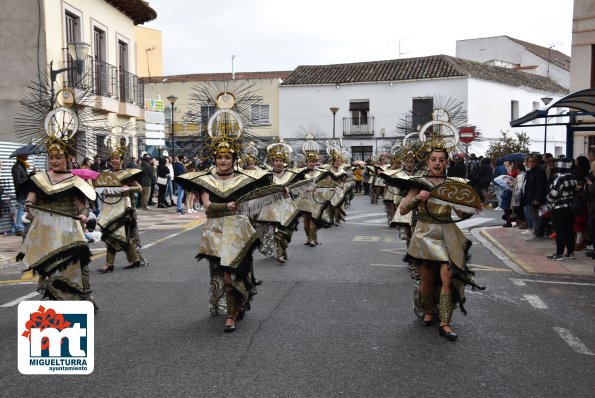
(200, 36)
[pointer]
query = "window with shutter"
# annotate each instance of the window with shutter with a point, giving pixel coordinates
(359, 112)
(72, 26)
(421, 111)
(205, 113)
(260, 115)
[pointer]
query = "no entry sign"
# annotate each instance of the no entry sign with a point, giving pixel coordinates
(467, 135)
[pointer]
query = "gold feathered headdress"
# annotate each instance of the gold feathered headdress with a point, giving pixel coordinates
(310, 149)
(279, 150)
(117, 142)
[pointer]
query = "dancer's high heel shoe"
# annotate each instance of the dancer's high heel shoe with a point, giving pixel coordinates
(135, 264)
(106, 268)
(230, 328)
(427, 322)
(451, 336)
(240, 315)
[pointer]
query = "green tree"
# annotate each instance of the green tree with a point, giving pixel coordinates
(508, 144)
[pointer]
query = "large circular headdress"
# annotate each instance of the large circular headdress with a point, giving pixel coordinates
(224, 113)
(250, 155)
(117, 142)
(54, 119)
(345, 155)
(333, 149)
(311, 149)
(279, 150)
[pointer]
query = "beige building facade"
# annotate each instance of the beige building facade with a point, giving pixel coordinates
(149, 52)
(582, 70)
(188, 124)
(40, 31)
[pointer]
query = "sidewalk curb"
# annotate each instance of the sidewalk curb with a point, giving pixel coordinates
(484, 232)
(8, 261)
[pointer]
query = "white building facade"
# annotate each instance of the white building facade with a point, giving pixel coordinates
(375, 97)
(519, 55)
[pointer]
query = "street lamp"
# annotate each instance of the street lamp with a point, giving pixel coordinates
(334, 109)
(546, 101)
(172, 99)
(78, 51)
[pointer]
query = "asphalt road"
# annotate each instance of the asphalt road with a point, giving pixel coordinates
(336, 320)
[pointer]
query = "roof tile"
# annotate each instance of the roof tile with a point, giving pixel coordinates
(432, 67)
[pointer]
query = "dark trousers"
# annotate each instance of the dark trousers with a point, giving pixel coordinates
(153, 193)
(563, 221)
(358, 186)
(161, 195)
(366, 188)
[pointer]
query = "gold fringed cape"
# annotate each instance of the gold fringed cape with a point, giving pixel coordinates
(315, 202)
(286, 211)
(118, 218)
(55, 246)
(227, 237)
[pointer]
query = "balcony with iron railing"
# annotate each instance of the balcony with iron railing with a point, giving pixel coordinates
(106, 80)
(358, 126)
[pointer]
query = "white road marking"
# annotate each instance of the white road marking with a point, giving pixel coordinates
(518, 282)
(349, 218)
(574, 342)
(535, 301)
(473, 221)
(15, 302)
(551, 282)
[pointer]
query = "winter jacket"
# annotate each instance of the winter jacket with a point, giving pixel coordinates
(563, 188)
(535, 186)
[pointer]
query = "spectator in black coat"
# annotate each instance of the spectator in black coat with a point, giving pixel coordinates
(179, 169)
(146, 180)
(19, 177)
(162, 174)
(483, 179)
(534, 195)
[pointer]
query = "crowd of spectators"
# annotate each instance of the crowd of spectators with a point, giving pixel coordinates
(544, 196)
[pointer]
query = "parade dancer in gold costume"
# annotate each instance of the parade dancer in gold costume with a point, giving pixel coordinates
(437, 245)
(312, 203)
(117, 220)
(231, 197)
(338, 176)
(57, 203)
(280, 217)
(228, 238)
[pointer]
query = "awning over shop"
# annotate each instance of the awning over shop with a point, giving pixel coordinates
(579, 102)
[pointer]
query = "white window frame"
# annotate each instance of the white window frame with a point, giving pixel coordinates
(105, 30)
(514, 109)
(67, 8)
(123, 39)
(260, 115)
